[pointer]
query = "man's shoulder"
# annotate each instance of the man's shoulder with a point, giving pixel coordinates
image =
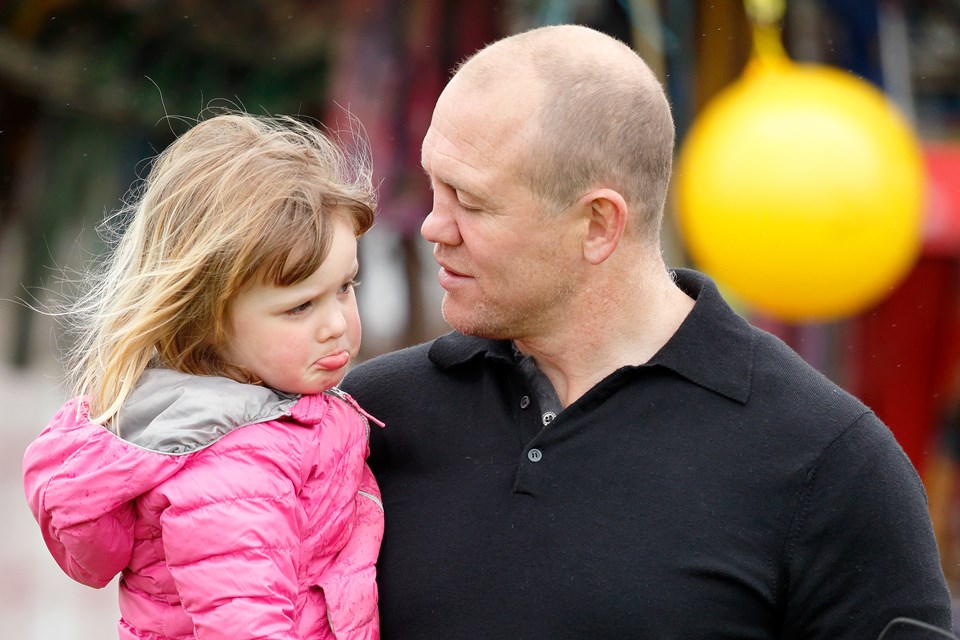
(407, 359)
(399, 381)
(394, 368)
(445, 353)
(784, 383)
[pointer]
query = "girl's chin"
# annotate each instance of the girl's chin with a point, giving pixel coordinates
(312, 387)
(319, 387)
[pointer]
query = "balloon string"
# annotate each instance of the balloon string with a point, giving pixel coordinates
(767, 44)
(765, 17)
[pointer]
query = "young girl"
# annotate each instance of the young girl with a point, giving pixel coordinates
(209, 457)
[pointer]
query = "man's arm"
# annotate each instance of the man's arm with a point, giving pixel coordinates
(861, 549)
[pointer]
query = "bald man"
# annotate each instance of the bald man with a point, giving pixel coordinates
(602, 448)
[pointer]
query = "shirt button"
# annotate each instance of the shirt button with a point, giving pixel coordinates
(524, 402)
(548, 417)
(534, 455)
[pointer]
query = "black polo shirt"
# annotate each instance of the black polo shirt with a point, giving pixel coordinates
(724, 489)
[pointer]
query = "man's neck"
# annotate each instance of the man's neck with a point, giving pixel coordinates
(616, 329)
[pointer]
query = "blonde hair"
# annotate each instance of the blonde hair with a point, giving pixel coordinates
(236, 197)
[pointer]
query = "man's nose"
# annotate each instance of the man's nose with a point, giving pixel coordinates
(440, 226)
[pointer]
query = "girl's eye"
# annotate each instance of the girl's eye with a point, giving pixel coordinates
(300, 308)
(347, 286)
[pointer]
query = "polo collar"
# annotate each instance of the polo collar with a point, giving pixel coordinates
(713, 347)
(454, 349)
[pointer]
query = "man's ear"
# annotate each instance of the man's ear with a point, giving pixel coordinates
(606, 219)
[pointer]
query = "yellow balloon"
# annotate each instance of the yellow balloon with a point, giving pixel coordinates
(800, 188)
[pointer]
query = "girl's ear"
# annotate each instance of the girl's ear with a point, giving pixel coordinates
(606, 220)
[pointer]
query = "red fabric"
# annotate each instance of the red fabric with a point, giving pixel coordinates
(908, 357)
(942, 220)
(907, 353)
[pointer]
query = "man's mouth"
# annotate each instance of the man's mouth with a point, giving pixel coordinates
(444, 267)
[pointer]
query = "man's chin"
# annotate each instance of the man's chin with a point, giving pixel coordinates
(472, 323)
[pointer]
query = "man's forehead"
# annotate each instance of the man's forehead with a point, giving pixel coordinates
(470, 123)
(460, 167)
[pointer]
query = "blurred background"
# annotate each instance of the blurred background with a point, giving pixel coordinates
(86, 88)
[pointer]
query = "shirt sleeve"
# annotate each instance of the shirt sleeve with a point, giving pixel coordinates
(861, 550)
(231, 539)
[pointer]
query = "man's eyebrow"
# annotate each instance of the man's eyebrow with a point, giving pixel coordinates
(458, 187)
(451, 185)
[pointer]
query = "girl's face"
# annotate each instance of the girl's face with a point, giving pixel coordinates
(300, 338)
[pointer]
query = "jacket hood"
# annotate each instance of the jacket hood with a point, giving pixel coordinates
(177, 413)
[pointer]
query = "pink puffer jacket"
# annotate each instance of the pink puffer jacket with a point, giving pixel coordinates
(229, 516)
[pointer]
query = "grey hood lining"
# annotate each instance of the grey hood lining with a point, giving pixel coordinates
(178, 413)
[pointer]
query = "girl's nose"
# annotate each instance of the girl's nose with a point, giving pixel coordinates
(333, 326)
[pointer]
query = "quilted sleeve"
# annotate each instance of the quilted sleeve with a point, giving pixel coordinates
(349, 583)
(231, 537)
(80, 481)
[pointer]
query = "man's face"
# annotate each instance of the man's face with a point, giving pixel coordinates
(505, 264)
(300, 338)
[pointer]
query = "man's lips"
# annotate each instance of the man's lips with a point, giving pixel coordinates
(333, 361)
(449, 278)
(453, 272)
(446, 267)
(448, 275)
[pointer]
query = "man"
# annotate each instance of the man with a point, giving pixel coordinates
(602, 448)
